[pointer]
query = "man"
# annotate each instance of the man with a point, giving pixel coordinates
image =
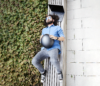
(55, 32)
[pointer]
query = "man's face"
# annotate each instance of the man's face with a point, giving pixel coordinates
(49, 20)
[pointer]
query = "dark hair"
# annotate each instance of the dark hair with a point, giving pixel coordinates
(55, 17)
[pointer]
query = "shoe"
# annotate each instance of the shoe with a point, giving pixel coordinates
(43, 76)
(60, 76)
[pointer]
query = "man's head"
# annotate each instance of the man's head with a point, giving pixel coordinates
(51, 19)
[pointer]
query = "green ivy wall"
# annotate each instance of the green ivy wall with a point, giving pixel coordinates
(21, 23)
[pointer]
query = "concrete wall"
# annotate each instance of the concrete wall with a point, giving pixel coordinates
(83, 42)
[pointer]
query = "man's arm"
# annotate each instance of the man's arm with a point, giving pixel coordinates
(59, 38)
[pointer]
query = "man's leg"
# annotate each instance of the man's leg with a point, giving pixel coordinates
(54, 60)
(53, 54)
(41, 55)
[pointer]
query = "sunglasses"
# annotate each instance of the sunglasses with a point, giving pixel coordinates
(48, 18)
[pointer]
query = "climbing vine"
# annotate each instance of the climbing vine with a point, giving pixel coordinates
(21, 23)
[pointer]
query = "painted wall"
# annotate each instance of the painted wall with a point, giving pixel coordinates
(83, 43)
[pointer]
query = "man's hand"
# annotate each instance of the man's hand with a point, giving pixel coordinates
(40, 38)
(53, 37)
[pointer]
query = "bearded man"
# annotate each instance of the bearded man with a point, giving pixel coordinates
(55, 32)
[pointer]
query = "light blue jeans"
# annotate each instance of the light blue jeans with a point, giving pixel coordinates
(43, 54)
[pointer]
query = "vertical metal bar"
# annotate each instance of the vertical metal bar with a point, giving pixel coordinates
(44, 68)
(50, 74)
(61, 2)
(56, 2)
(48, 1)
(51, 1)
(47, 72)
(53, 76)
(55, 79)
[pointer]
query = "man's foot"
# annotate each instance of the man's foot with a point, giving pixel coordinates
(60, 76)
(43, 77)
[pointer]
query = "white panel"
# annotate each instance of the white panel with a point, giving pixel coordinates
(87, 81)
(87, 33)
(69, 0)
(73, 23)
(90, 3)
(83, 12)
(87, 3)
(92, 69)
(87, 56)
(70, 80)
(80, 33)
(70, 34)
(75, 68)
(74, 44)
(87, 22)
(91, 23)
(96, 12)
(96, 22)
(70, 14)
(71, 56)
(75, 4)
(91, 44)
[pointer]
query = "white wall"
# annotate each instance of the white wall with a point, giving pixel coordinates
(83, 43)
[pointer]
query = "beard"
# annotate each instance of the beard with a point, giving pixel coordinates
(49, 22)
